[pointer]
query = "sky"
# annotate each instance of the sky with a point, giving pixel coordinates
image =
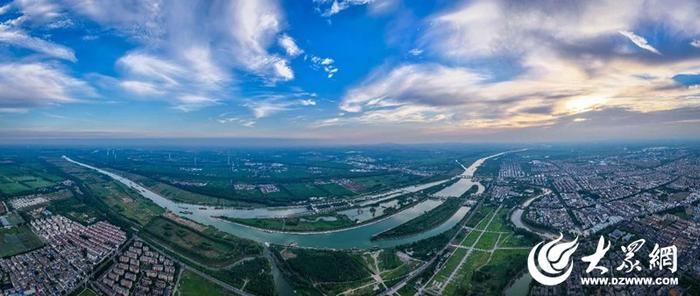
(350, 71)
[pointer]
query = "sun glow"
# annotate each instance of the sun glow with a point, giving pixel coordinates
(583, 104)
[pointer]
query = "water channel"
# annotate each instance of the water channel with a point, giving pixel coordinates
(354, 237)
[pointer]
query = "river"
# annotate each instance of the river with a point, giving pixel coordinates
(354, 237)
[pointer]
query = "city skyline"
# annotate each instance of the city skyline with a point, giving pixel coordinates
(354, 71)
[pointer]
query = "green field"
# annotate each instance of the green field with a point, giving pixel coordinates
(126, 202)
(463, 278)
(499, 222)
(487, 241)
(202, 247)
(87, 292)
(191, 284)
(17, 240)
(21, 176)
(485, 271)
(424, 222)
(471, 238)
(449, 267)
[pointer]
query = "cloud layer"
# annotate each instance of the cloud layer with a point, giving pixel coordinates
(568, 59)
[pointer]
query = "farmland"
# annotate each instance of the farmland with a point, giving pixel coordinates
(20, 175)
(17, 240)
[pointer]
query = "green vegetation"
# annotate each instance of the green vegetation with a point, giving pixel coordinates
(503, 266)
(313, 272)
(319, 222)
(204, 247)
(17, 240)
(76, 210)
(498, 224)
(251, 275)
(327, 266)
(208, 177)
(423, 222)
(450, 266)
(463, 278)
(19, 175)
(175, 193)
(471, 238)
(487, 241)
(87, 292)
(191, 284)
(127, 202)
(487, 268)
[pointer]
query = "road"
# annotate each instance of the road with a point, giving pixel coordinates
(394, 289)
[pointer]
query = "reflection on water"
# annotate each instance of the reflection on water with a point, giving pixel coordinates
(520, 287)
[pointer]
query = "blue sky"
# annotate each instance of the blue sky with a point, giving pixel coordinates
(353, 71)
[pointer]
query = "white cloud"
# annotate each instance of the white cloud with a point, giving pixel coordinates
(187, 103)
(226, 34)
(141, 88)
(200, 60)
(38, 84)
(153, 68)
(327, 64)
(415, 51)
(403, 114)
(41, 11)
(268, 104)
(329, 8)
(223, 119)
(559, 76)
(307, 102)
(19, 38)
(5, 8)
(266, 108)
(421, 84)
(695, 43)
(252, 27)
(151, 76)
(639, 41)
(283, 70)
(289, 45)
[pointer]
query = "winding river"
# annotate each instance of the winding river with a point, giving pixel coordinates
(354, 237)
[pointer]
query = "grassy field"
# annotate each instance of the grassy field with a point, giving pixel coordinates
(17, 240)
(451, 264)
(20, 176)
(424, 222)
(202, 247)
(126, 202)
(87, 292)
(488, 267)
(192, 284)
(310, 223)
(463, 278)
(487, 241)
(471, 238)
